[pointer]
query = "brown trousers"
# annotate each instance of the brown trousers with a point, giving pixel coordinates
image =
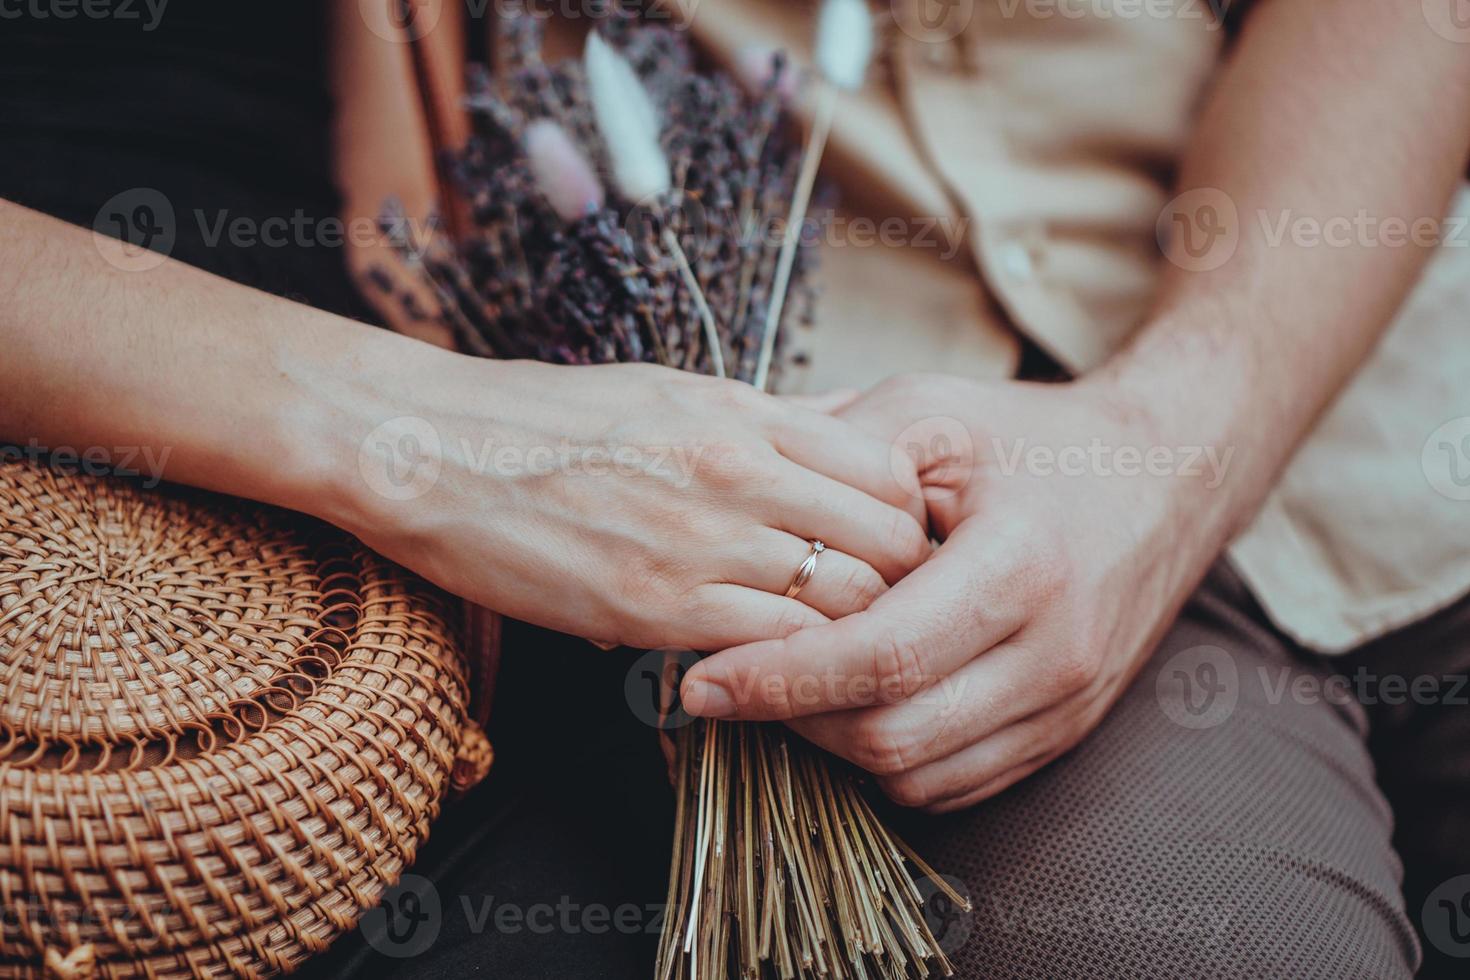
(1247, 810)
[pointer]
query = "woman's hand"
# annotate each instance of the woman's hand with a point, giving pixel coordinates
(627, 503)
(1072, 530)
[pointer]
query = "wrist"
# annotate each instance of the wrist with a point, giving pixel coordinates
(1193, 429)
(358, 446)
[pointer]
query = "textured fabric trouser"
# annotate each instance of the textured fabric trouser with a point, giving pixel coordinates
(1247, 810)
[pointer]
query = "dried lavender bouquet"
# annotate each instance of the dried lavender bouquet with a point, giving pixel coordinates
(779, 865)
(597, 284)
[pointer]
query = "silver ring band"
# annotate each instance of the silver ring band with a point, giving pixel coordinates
(806, 571)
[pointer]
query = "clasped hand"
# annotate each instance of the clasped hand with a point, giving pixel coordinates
(1009, 644)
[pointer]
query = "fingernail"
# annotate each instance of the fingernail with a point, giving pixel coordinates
(706, 700)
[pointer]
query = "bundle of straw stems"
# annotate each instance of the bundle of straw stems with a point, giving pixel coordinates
(780, 866)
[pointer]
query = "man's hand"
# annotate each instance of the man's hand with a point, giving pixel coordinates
(1011, 642)
(1072, 532)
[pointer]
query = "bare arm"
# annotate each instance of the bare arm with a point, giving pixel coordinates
(1324, 113)
(570, 497)
(238, 387)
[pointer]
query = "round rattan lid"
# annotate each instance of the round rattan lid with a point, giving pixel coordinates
(224, 728)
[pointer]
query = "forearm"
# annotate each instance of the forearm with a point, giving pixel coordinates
(237, 390)
(1322, 115)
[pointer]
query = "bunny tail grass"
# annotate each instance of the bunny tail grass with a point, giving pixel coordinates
(628, 122)
(562, 173)
(844, 42)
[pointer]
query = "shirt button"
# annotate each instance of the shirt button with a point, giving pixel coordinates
(1015, 260)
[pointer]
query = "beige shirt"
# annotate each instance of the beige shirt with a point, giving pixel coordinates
(1037, 140)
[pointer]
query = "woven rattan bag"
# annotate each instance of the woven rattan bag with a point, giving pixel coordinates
(224, 732)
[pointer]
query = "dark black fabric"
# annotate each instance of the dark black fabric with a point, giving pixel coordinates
(576, 819)
(223, 109)
(1417, 685)
(1241, 838)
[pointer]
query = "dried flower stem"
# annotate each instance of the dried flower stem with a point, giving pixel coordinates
(711, 332)
(795, 220)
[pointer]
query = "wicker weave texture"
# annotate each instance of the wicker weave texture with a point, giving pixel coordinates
(224, 729)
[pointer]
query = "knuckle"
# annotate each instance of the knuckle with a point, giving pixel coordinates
(915, 539)
(681, 520)
(898, 665)
(1070, 737)
(904, 541)
(737, 395)
(880, 748)
(907, 790)
(791, 618)
(862, 585)
(652, 582)
(1053, 578)
(728, 465)
(700, 604)
(1075, 669)
(1046, 569)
